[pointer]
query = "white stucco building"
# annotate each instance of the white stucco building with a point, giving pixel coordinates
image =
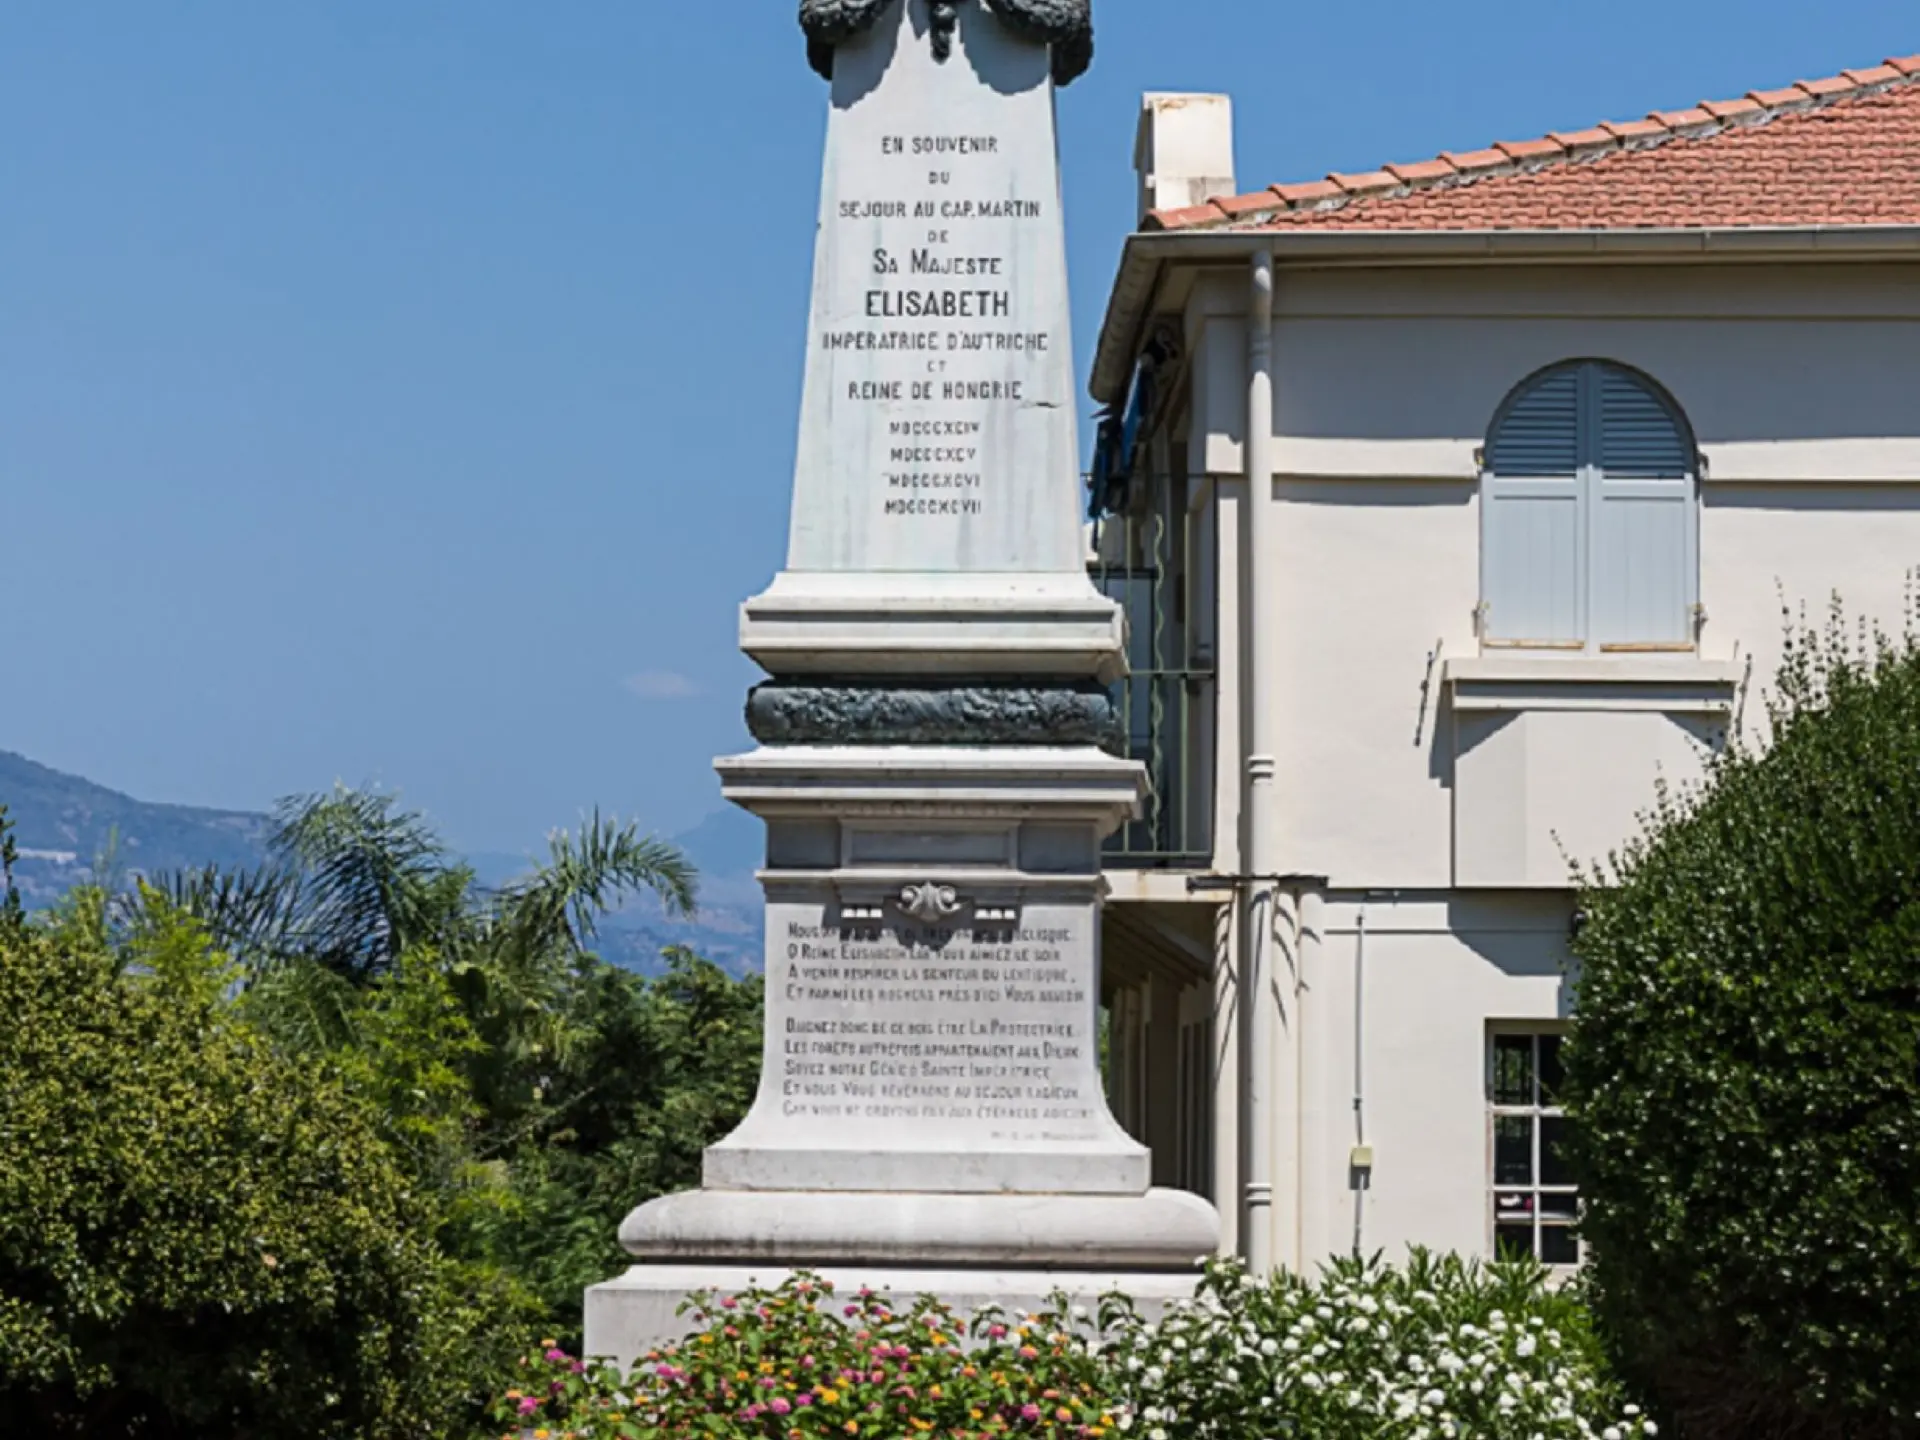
(1453, 505)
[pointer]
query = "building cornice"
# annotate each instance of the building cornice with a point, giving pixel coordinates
(1149, 255)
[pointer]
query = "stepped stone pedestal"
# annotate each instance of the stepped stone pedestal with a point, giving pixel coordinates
(933, 769)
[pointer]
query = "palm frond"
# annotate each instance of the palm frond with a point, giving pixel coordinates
(376, 878)
(255, 916)
(586, 876)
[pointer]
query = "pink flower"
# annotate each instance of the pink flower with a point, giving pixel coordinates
(579, 1367)
(901, 1352)
(729, 1303)
(779, 1406)
(556, 1355)
(803, 1399)
(997, 1332)
(1029, 1412)
(851, 1311)
(529, 1405)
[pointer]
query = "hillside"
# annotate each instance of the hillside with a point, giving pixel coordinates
(65, 826)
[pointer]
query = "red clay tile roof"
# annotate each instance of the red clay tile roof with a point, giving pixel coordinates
(1840, 151)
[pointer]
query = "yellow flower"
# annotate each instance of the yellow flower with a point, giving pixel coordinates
(829, 1396)
(539, 1435)
(852, 1427)
(766, 1367)
(973, 1414)
(706, 1339)
(1063, 1413)
(740, 1375)
(934, 1391)
(549, 1344)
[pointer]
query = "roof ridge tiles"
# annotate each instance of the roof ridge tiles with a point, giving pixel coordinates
(1560, 148)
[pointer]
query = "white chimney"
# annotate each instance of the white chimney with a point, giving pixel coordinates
(1184, 155)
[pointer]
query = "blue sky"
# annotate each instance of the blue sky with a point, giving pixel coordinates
(406, 393)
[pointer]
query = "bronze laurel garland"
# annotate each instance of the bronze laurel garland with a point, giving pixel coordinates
(1066, 25)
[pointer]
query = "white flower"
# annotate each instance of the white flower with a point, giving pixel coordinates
(1610, 1433)
(1630, 1410)
(1269, 1348)
(1290, 1345)
(1156, 1434)
(1526, 1347)
(1125, 1422)
(1323, 1312)
(1434, 1397)
(1649, 1427)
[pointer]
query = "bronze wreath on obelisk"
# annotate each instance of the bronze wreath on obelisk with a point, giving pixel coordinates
(1066, 25)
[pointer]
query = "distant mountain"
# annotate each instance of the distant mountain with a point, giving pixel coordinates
(66, 827)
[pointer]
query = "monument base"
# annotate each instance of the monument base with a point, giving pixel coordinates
(644, 1308)
(1013, 1250)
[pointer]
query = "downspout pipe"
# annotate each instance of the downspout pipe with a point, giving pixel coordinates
(1261, 801)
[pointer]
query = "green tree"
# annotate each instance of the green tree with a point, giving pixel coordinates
(538, 1092)
(199, 1237)
(1745, 1068)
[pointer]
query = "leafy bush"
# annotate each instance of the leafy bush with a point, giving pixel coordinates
(1745, 1070)
(1439, 1348)
(799, 1362)
(198, 1238)
(1370, 1352)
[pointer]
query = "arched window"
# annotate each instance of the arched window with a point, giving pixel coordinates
(1589, 536)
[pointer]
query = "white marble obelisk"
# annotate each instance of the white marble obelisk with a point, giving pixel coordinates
(930, 1114)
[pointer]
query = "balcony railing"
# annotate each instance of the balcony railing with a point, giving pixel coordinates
(1166, 703)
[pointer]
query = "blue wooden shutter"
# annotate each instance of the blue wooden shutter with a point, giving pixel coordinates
(1533, 542)
(1645, 567)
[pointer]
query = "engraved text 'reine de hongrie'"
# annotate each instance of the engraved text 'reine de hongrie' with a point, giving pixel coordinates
(1066, 25)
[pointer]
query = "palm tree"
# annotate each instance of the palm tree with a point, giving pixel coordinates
(352, 882)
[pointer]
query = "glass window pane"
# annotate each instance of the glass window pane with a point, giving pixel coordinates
(1513, 1242)
(1558, 1246)
(1554, 1133)
(1513, 1205)
(1513, 1070)
(1513, 1150)
(1561, 1204)
(1550, 1070)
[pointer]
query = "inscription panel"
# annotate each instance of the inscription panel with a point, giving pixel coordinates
(937, 425)
(968, 1036)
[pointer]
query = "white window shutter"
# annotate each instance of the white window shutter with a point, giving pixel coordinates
(1533, 542)
(1645, 568)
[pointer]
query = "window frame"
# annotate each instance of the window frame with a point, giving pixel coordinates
(1588, 481)
(1539, 1110)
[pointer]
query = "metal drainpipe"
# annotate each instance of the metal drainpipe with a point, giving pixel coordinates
(1261, 796)
(1362, 1174)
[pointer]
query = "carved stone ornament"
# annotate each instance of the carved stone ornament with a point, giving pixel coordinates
(828, 712)
(931, 903)
(1066, 25)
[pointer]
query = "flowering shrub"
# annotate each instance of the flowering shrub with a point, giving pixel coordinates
(1439, 1348)
(801, 1362)
(561, 1398)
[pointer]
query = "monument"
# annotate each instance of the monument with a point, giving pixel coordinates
(932, 764)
